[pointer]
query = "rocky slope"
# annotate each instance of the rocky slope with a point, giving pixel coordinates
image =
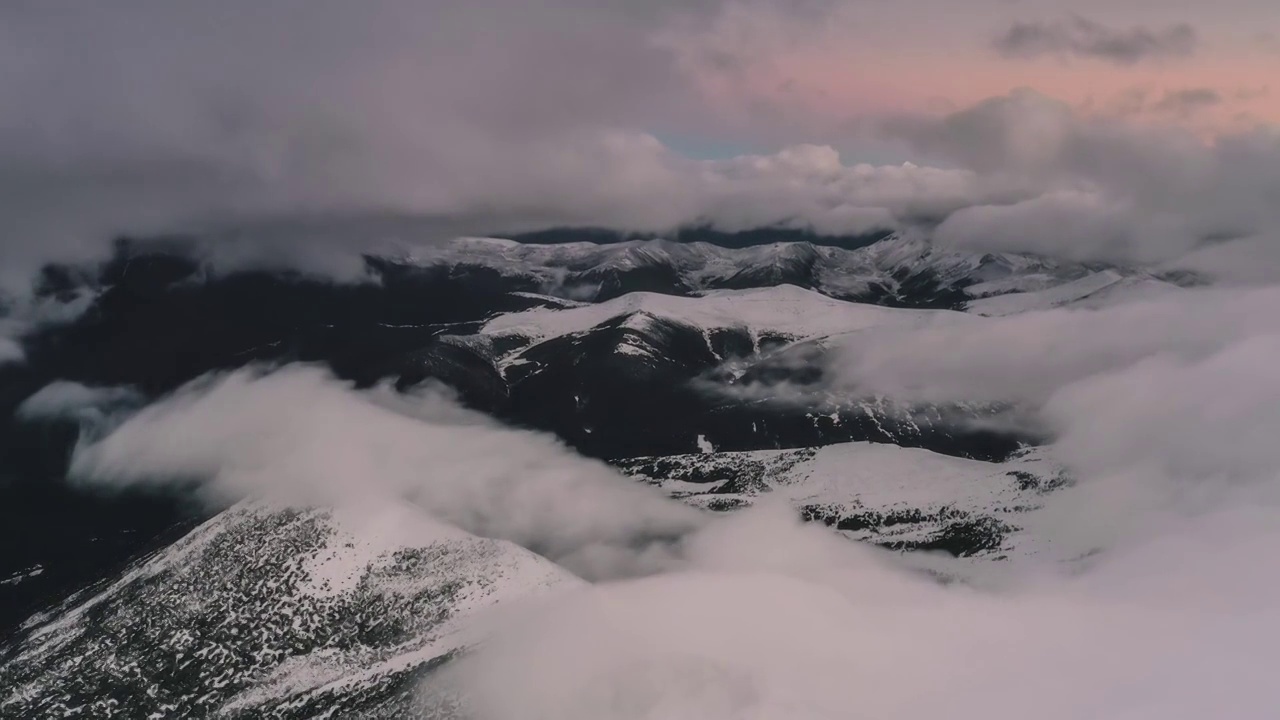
(895, 497)
(271, 611)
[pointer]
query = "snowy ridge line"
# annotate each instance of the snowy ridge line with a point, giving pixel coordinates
(904, 269)
(784, 310)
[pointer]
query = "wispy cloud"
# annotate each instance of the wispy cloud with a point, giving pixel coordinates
(1081, 37)
(1186, 101)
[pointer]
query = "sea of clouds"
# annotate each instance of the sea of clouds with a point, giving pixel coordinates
(152, 117)
(1169, 612)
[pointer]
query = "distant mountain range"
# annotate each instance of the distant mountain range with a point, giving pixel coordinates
(895, 271)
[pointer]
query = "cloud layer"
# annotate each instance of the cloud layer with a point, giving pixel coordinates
(836, 631)
(1165, 409)
(755, 615)
(1081, 37)
(502, 116)
(298, 435)
(156, 116)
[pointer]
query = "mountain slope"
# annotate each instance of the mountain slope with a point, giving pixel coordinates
(780, 311)
(264, 609)
(898, 498)
(655, 374)
(285, 612)
(513, 329)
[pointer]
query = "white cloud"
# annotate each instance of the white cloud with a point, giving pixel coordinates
(1029, 356)
(1102, 189)
(71, 400)
(1073, 224)
(781, 621)
(299, 435)
(18, 315)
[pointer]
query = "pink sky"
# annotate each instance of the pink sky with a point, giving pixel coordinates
(853, 85)
(869, 58)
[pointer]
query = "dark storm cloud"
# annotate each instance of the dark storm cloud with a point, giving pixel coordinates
(1082, 37)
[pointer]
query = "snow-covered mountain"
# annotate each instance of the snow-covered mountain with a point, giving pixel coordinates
(896, 497)
(272, 611)
(625, 349)
(899, 270)
(651, 374)
(697, 368)
(778, 311)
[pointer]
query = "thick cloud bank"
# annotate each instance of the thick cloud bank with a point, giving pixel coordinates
(152, 117)
(1104, 190)
(1029, 356)
(804, 626)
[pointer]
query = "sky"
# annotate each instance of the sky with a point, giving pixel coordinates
(1206, 67)
(1134, 131)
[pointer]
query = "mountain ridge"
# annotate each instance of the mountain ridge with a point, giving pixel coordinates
(626, 351)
